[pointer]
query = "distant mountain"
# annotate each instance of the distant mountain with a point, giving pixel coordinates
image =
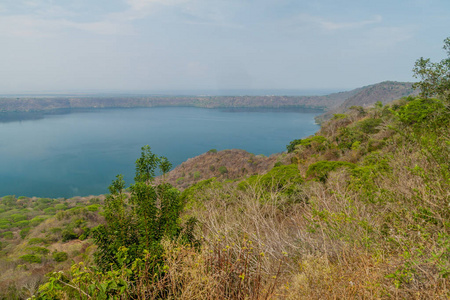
(385, 92)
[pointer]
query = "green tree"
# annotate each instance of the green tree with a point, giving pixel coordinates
(434, 76)
(141, 220)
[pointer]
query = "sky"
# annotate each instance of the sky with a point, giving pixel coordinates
(168, 45)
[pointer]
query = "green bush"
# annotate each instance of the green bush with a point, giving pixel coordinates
(212, 151)
(282, 178)
(36, 221)
(60, 256)
(197, 175)
(9, 200)
(223, 170)
(418, 111)
(35, 241)
(31, 258)
(369, 126)
(17, 217)
(22, 224)
(50, 211)
(93, 207)
(68, 235)
(24, 232)
(7, 235)
(38, 250)
(321, 169)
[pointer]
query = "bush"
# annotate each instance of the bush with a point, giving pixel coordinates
(38, 250)
(68, 235)
(35, 241)
(60, 256)
(36, 221)
(7, 235)
(223, 170)
(321, 169)
(93, 207)
(24, 232)
(31, 258)
(212, 151)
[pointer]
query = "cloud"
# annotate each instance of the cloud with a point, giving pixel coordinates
(328, 25)
(307, 21)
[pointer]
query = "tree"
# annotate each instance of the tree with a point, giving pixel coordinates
(434, 77)
(141, 220)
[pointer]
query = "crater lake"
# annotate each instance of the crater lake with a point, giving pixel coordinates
(79, 153)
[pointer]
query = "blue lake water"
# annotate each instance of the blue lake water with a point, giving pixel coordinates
(80, 153)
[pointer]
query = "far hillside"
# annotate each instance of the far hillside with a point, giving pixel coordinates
(385, 91)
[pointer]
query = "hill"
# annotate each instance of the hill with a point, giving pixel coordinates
(385, 92)
(25, 104)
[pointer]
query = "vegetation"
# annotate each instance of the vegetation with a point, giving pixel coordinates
(363, 212)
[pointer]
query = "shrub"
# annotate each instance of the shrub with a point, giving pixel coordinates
(38, 250)
(321, 169)
(93, 207)
(212, 151)
(68, 235)
(369, 126)
(22, 224)
(35, 241)
(31, 258)
(223, 170)
(36, 221)
(60, 256)
(24, 232)
(7, 235)
(196, 175)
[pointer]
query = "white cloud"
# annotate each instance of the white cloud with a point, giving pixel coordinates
(305, 20)
(328, 25)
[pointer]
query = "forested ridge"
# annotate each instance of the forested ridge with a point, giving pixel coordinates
(359, 210)
(388, 90)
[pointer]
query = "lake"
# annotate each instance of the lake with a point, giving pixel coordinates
(79, 153)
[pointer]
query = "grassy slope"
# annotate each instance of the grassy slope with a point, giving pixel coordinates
(364, 215)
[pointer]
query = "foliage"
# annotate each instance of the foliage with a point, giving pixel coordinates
(140, 222)
(434, 77)
(59, 256)
(321, 169)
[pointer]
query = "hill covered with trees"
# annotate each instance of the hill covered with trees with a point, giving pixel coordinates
(366, 95)
(361, 209)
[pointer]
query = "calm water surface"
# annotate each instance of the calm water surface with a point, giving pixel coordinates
(79, 154)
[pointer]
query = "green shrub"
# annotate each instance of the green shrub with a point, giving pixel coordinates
(212, 151)
(60, 206)
(321, 169)
(50, 211)
(24, 232)
(38, 250)
(282, 178)
(369, 126)
(35, 241)
(212, 168)
(17, 217)
(418, 110)
(223, 170)
(196, 175)
(60, 256)
(180, 180)
(22, 224)
(68, 235)
(31, 258)
(7, 235)
(9, 200)
(93, 207)
(36, 221)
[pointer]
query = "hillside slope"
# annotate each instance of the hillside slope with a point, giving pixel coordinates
(385, 92)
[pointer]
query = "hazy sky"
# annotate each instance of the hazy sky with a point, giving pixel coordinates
(149, 45)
